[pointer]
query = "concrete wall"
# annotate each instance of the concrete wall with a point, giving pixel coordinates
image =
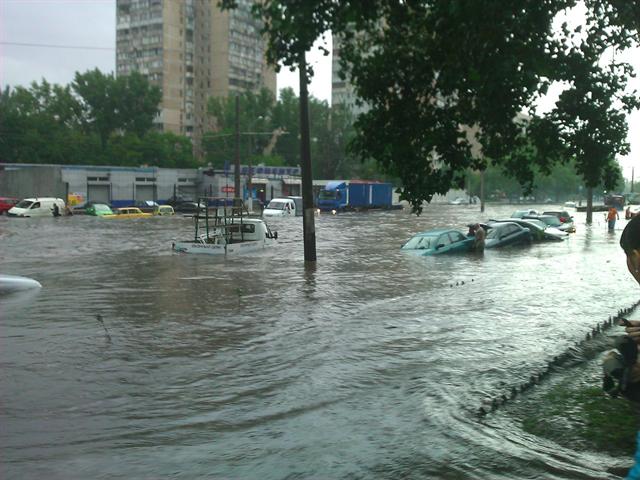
(32, 182)
(126, 185)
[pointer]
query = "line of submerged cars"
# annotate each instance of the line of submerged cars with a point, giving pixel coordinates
(524, 227)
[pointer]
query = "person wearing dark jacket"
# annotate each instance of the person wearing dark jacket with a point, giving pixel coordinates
(630, 243)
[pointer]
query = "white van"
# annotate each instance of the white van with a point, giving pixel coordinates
(284, 207)
(37, 207)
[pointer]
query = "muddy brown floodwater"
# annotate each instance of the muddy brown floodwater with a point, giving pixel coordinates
(371, 366)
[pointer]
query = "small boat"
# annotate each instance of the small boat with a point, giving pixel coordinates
(15, 283)
(227, 230)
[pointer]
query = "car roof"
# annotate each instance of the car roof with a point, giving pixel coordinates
(433, 233)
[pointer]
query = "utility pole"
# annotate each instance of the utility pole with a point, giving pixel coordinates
(237, 158)
(308, 218)
(482, 191)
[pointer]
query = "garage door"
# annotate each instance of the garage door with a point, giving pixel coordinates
(145, 192)
(98, 194)
(187, 192)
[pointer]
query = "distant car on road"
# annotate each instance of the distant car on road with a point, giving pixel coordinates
(189, 207)
(565, 217)
(554, 221)
(435, 242)
(147, 206)
(523, 213)
(540, 231)
(507, 233)
(98, 210)
(7, 203)
(164, 210)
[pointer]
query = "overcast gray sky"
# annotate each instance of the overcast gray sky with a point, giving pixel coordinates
(91, 23)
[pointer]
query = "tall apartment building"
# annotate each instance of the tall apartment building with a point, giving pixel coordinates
(341, 90)
(191, 50)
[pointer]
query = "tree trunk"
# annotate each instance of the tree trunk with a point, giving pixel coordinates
(308, 219)
(589, 205)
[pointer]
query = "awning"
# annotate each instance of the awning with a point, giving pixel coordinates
(259, 180)
(291, 181)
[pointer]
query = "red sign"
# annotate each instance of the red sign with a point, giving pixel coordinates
(228, 189)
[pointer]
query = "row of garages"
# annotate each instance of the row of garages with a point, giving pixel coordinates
(121, 186)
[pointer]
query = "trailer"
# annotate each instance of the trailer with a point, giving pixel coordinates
(342, 195)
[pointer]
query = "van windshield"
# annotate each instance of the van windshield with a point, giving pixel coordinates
(24, 204)
(276, 205)
(327, 195)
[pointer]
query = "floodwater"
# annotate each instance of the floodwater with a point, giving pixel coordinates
(372, 365)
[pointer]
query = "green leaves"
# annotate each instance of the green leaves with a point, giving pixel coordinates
(98, 119)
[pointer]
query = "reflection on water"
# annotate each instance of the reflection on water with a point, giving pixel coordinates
(370, 365)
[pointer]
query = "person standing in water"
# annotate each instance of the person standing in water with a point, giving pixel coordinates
(478, 244)
(612, 216)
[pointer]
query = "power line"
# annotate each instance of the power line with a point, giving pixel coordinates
(49, 45)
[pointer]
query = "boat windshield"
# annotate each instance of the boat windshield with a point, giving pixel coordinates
(273, 205)
(420, 243)
(24, 204)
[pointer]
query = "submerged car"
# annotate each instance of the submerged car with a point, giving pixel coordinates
(189, 207)
(508, 233)
(435, 242)
(128, 212)
(98, 209)
(565, 218)
(553, 221)
(164, 210)
(540, 231)
(523, 213)
(7, 203)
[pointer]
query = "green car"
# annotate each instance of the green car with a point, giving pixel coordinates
(435, 242)
(98, 210)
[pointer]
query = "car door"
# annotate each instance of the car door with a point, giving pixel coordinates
(511, 234)
(444, 243)
(458, 242)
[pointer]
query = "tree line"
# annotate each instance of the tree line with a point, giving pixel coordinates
(451, 85)
(97, 119)
(100, 119)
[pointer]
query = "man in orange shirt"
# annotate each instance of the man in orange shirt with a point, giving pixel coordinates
(612, 216)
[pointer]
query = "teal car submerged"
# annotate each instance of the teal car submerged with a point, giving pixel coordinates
(435, 242)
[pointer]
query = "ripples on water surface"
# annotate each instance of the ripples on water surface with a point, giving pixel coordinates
(371, 366)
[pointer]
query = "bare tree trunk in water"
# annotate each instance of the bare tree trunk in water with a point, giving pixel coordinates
(308, 213)
(589, 205)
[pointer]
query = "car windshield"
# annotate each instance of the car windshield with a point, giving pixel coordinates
(551, 221)
(24, 204)
(537, 223)
(101, 208)
(276, 205)
(420, 243)
(493, 233)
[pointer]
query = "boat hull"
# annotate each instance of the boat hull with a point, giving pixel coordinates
(220, 249)
(14, 283)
